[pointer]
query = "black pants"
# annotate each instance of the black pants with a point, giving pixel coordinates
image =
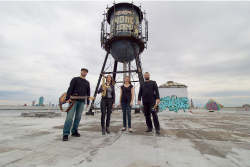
(106, 107)
(147, 112)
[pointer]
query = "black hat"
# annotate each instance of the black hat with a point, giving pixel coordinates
(85, 69)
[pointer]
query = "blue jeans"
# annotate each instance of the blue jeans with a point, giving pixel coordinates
(76, 110)
(126, 110)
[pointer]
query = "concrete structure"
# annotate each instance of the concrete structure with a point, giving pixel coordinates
(47, 107)
(172, 88)
(174, 96)
(41, 114)
(202, 139)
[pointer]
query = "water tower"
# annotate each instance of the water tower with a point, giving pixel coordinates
(122, 37)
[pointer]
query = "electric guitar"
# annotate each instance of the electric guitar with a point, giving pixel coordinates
(62, 100)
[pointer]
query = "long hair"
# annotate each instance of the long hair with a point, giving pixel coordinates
(112, 82)
(128, 81)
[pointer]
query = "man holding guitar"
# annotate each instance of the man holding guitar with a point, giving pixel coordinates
(80, 86)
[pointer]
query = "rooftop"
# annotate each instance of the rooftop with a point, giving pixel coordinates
(186, 140)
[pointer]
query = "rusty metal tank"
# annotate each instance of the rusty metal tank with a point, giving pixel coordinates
(124, 20)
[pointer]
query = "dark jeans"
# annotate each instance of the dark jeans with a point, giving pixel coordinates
(106, 107)
(126, 110)
(147, 112)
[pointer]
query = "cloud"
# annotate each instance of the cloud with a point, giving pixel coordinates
(204, 45)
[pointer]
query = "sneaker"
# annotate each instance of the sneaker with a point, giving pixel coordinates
(75, 134)
(65, 138)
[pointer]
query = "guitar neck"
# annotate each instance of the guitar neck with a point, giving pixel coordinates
(78, 97)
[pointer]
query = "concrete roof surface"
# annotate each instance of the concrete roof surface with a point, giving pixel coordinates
(200, 139)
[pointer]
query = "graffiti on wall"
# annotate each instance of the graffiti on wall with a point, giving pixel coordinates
(211, 105)
(174, 103)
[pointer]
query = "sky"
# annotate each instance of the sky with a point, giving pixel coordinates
(202, 44)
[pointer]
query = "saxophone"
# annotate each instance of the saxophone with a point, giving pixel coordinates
(155, 107)
(104, 85)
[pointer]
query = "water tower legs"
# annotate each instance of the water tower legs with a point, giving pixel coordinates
(126, 71)
(91, 107)
(138, 64)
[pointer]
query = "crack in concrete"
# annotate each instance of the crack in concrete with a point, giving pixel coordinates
(106, 142)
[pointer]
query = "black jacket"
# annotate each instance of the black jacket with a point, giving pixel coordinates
(148, 92)
(112, 93)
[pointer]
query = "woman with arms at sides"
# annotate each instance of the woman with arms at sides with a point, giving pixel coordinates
(126, 102)
(107, 102)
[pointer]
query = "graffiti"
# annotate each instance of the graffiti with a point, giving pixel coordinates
(211, 105)
(174, 103)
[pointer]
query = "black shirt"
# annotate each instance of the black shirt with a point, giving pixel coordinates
(126, 94)
(79, 86)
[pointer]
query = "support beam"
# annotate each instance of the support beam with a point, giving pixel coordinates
(122, 81)
(119, 72)
(115, 70)
(97, 86)
(138, 64)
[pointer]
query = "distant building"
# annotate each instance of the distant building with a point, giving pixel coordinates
(41, 101)
(33, 103)
(172, 88)
(174, 96)
(50, 103)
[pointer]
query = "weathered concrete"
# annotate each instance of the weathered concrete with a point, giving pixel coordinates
(47, 107)
(41, 114)
(200, 139)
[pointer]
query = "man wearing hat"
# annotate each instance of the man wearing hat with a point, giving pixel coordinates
(80, 86)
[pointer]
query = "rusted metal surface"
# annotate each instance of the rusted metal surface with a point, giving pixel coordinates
(125, 22)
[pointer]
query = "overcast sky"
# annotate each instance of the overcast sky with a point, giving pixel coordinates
(204, 45)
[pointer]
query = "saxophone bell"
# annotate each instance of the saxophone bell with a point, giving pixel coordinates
(154, 108)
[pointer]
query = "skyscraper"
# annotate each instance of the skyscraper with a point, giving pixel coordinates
(41, 101)
(33, 103)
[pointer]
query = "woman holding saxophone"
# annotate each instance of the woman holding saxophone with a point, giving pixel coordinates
(107, 102)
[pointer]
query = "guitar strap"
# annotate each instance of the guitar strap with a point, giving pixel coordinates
(68, 108)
